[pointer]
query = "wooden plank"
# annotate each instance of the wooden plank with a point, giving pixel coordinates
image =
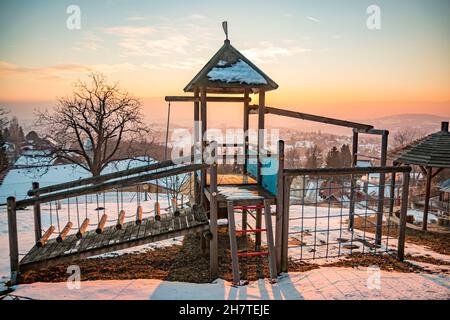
(209, 99)
(279, 208)
(310, 117)
(111, 248)
(213, 215)
(13, 239)
(270, 242)
(120, 183)
(233, 243)
(261, 127)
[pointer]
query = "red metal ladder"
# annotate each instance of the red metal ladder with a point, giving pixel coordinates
(233, 241)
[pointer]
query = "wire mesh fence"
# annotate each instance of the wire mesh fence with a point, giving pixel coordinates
(342, 212)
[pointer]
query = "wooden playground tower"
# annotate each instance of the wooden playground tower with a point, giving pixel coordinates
(216, 195)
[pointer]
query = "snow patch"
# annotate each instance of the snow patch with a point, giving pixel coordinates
(239, 72)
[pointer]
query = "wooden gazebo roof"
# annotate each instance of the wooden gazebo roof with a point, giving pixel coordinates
(432, 151)
(229, 71)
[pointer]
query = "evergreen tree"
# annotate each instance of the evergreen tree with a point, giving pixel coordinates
(345, 156)
(4, 163)
(313, 157)
(333, 159)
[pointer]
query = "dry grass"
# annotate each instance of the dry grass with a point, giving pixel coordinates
(436, 241)
(187, 263)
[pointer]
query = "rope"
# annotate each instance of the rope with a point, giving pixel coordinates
(57, 217)
(98, 209)
(51, 214)
(78, 212)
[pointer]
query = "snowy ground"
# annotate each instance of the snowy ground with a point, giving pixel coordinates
(319, 284)
(304, 228)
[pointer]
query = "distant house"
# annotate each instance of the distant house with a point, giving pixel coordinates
(334, 193)
(444, 196)
(364, 163)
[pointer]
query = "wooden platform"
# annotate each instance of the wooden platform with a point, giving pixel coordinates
(242, 195)
(232, 179)
(112, 240)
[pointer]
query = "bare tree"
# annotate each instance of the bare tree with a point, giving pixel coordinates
(293, 158)
(91, 127)
(406, 135)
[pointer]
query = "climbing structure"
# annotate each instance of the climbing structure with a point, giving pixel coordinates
(217, 193)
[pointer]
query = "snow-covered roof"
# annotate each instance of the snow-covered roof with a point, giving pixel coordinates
(229, 71)
(364, 163)
(239, 72)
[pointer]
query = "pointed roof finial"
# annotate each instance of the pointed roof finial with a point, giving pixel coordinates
(225, 29)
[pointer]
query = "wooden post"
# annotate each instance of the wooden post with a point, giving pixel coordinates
(246, 127)
(13, 239)
(261, 117)
(427, 198)
(244, 219)
(270, 244)
(233, 243)
(196, 142)
(286, 198)
(279, 208)
(37, 214)
(381, 188)
(213, 216)
(403, 216)
(392, 194)
(203, 142)
(258, 225)
(351, 213)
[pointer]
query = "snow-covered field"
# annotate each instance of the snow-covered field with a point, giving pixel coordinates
(319, 284)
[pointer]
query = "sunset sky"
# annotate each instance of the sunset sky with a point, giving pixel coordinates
(322, 55)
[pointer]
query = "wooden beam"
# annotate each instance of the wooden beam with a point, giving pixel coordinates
(110, 176)
(204, 119)
(285, 245)
(213, 216)
(381, 188)
(351, 212)
(279, 208)
(343, 171)
(197, 142)
(37, 215)
(373, 131)
(439, 170)
(427, 198)
(403, 216)
(208, 99)
(310, 117)
(246, 127)
(261, 119)
(116, 184)
(13, 239)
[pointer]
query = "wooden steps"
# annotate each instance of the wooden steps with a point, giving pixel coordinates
(111, 239)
